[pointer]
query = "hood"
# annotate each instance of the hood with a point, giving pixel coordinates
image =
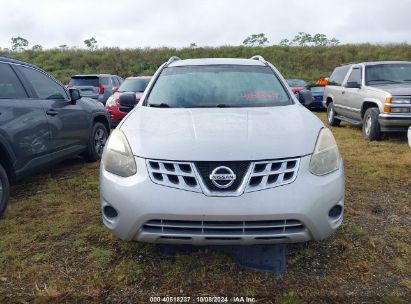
(223, 134)
(395, 89)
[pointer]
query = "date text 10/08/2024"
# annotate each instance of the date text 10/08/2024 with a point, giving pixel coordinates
(202, 299)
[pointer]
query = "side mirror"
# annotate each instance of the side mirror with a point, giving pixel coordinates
(74, 94)
(114, 89)
(305, 97)
(353, 85)
(128, 100)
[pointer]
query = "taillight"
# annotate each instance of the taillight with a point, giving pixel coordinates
(100, 89)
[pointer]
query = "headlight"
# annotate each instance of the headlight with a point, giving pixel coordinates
(110, 102)
(326, 157)
(400, 100)
(117, 157)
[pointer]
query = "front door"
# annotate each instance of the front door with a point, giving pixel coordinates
(69, 122)
(352, 96)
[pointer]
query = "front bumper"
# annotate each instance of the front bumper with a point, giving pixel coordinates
(138, 200)
(394, 122)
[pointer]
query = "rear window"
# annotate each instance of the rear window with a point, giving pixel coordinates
(134, 85)
(84, 81)
(337, 77)
(218, 86)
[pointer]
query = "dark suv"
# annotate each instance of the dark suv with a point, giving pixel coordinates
(99, 87)
(41, 123)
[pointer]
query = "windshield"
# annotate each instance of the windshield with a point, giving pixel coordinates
(296, 83)
(134, 85)
(388, 73)
(218, 86)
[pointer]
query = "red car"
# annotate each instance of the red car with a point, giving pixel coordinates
(296, 85)
(135, 85)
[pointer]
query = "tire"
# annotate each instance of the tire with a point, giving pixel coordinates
(370, 126)
(97, 141)
(4, 189)
(332, 121)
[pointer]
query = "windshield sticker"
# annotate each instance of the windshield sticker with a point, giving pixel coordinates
(261, 95)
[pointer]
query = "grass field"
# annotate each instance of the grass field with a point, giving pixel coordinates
(54, 248)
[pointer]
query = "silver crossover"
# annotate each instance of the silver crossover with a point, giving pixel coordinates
(219, 151)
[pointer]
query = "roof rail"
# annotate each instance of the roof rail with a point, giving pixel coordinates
(172, 59)
(259, 58)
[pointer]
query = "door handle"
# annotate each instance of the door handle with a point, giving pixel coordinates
(52, 112)
(343, 92)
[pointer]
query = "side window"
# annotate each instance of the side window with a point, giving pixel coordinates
(10, 86)
(337, 77)
(115, 82)
(355, 75)
(44, 86)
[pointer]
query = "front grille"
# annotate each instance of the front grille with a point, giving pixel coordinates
(173, 174)
(249, 176)
(269, 174)
(239, 168)
(259, 229)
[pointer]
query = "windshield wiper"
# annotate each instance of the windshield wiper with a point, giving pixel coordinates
(159, 105)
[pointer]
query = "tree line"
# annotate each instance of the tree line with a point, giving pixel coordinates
(308, 63)
(19, 44)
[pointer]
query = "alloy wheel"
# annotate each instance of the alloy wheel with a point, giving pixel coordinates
(100, 139)
(368, 124)
(330, 114)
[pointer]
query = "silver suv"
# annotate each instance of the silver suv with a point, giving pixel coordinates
(376, 95)
(219, 151)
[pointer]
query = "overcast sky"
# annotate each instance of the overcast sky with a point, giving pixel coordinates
(177, 23)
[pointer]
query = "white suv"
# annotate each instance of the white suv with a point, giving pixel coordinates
(219, 151)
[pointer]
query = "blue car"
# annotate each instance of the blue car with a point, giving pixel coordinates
(318, 95)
